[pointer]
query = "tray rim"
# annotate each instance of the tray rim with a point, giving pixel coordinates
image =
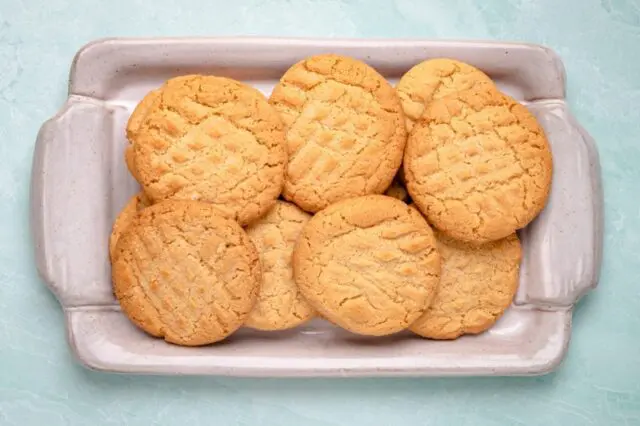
(319, 42)
(309, 42)
(91, 360)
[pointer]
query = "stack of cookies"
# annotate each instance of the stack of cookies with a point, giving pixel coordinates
(267, 213)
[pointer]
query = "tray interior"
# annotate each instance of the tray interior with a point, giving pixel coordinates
(524, 341)
(518, 331)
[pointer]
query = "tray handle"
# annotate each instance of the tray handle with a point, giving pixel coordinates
(563, 252)
(68, 224)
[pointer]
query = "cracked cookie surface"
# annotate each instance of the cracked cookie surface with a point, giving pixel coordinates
(125, 218)
(478, 165)
(211, 139)
(133, 127)
(434, 79)
(368, 264)
(280, 304)
(477, 284)
(129, 154)
(345, 131)
(140, 112)
(185, 273)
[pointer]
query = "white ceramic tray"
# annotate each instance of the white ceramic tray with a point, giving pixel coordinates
(80, 182)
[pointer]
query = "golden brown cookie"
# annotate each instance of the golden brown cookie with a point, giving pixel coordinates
(212, 139)
(477, 285)
(129, 160)
(435, 79)
(345, 132)
(133, 126)
(124, 219)
(368, 264)
(185, 273)
(280, 305)
(478, 165)
(140, 113)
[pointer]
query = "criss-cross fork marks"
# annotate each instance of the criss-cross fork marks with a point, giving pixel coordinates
(217, 162)
(344, 139)
(474, 164)
(435, 79)
(215, 145)
(195, 281)
(478, 167)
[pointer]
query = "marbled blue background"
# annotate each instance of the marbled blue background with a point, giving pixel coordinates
(598, 384)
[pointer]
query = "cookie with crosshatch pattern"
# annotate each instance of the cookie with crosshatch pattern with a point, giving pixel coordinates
(126, 216)
(184, 273)
(210, 139)
(478, 165)
(345, 130)
(434, 79)
(368, 264)
(477, 285)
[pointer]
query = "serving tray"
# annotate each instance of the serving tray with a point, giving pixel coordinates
(80, 183)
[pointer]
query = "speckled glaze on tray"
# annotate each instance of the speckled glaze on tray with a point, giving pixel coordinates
(80, 182)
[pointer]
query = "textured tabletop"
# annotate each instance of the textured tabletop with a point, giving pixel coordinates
(599, 383)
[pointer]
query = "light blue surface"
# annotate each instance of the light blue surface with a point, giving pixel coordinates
(598, 384)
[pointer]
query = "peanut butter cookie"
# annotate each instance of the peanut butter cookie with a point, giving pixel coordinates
(124, 219)
(368, 264)
(133, 127)
(280, 305)
(345, 131)
(434, 79)
(129, 160)
(478, 165)
(185, 273)
(212, 139)
(140, 112)
(477, 284)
